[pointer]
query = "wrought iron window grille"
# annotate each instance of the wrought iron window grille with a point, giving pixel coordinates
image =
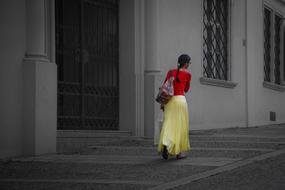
(277, 73)
(272, 43)
(215, 39)
(267, 45)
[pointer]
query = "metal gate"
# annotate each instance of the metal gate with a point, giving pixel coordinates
(87, 59)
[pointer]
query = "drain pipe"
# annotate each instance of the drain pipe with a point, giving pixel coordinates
(245, 44)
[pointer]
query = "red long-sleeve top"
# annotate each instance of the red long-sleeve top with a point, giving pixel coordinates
(179, 87)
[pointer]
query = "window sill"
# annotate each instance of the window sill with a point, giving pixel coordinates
(273, 86)
(216, 82)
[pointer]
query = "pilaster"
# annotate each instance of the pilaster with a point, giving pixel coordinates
(40, 80)
(152, 74)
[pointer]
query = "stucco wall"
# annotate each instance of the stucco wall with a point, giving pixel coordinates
(181, 32)
(12, 50)
(261, 100)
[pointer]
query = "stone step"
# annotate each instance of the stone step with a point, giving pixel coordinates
(130, 160)
(135, 141)
(75, 184)
(237, 138)
(80, 168)
(72, 141)
(194, 143)
(271, 131)
(194, 152)
(92, 133)
(238, 144)
(71, 145)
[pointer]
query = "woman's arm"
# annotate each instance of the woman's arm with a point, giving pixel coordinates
(187, 86)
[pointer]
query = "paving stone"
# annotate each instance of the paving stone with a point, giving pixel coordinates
(131, 163)
(263, 175)
(68, 186)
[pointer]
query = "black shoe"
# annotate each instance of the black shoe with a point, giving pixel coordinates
(164, 153)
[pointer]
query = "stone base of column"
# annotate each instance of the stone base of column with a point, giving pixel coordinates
(152, 113)
(40, 106)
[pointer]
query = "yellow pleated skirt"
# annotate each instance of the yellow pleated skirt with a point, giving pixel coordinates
(175, 128)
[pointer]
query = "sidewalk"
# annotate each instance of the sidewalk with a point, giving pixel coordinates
(233, 158)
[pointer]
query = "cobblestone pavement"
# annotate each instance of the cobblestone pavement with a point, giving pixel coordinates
(234, 158)
(263, 175)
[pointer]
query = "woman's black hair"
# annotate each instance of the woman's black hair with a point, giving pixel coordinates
(182, 60)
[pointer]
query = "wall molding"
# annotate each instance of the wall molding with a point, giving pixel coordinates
(273, 86)
(139, 66)
(219, 83)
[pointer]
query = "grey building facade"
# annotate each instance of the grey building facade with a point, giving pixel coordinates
(86, 68)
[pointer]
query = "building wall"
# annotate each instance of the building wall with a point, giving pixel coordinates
(12, 51)
(261, 100)
(181, 32)
(28, 79)
(249, 102)
(179, 29)
(39, 80)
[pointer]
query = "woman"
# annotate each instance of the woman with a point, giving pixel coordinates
(174, 136)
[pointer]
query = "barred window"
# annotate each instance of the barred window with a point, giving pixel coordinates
(277, 77)
(272, 63)
(267, 44)
(215, 39)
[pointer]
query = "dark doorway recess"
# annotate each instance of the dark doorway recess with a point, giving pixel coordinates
(87, 58)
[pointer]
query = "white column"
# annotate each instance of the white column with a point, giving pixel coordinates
(151, 36)
(36, 28)
(152, 69)
(139, 67)
(40, 80)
